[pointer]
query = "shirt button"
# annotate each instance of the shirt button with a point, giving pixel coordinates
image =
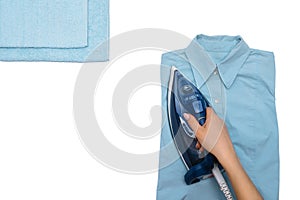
(215, 72)
(217, 101)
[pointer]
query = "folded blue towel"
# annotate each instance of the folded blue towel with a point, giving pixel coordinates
(43, 23)
(54, 30)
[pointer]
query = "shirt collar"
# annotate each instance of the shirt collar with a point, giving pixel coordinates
(203, 66)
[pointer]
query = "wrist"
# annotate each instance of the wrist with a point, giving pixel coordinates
(229, 161)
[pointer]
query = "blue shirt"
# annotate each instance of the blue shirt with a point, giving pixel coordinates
(239, 82)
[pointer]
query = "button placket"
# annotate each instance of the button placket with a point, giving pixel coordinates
(216, 87)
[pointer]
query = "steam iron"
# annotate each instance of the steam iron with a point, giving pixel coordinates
(184, 97)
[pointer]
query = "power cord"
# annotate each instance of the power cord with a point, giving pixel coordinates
(221, 181)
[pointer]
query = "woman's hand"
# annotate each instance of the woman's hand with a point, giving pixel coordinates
(214, 137)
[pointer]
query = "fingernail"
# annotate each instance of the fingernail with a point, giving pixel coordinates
(186, 116)
(201, 149)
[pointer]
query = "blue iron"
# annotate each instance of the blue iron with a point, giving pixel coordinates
(184, 97)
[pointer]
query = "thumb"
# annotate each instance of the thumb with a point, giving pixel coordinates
(194, 124)
(209, 115)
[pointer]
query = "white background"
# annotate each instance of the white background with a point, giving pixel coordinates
(41, 156)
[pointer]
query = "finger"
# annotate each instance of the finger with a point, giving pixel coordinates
(194, 124)
(209, 113)
(202, 149)
(214, 127)
(198, 145)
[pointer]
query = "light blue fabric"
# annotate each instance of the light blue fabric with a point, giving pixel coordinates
(43, 23)
(88, 28)
(240, 84)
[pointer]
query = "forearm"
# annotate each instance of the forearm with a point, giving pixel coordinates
(223, 149)
(241, 183)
